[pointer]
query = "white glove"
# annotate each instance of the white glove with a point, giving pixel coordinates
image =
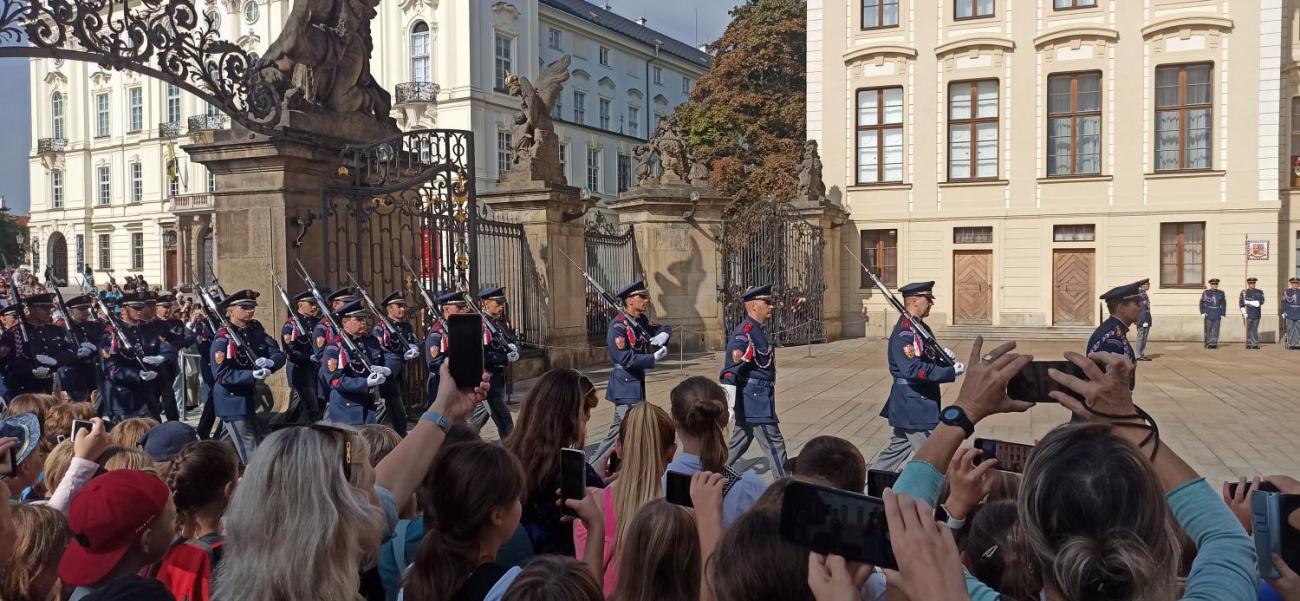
(261, 373)
(512, 356)
(264, 363)
(1204, 316)
(46, 360)
(960, 367)
(381, 370)
(1253, 303)
(85, 350)
(661, 353)
(41, 372)
(155, 360)
(1146, 325)
(1243, 311)
(147, 375)
(375, 379)
(948, 351)
(660, 339)
(412, 352)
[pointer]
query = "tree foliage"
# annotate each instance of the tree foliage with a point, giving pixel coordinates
(13, 239)
(746, 116)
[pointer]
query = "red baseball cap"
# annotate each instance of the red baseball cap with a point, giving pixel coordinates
(106, 518)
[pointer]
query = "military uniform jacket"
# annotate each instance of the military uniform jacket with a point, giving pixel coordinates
(16, 365)
(750, 365)
(394, 352)
(495, 348)
(627, 353)
(203, 336)
(1214, 304)
(1145, 301)
(82, 374)
(914, 396)
(50, 340)
(298, 346)
(128, 394)
(1254, 294)
(174, 332)
(345, 376)
(232, 394)
(1109, 337)
(1291, 303)
(435, 349)
(322, 335)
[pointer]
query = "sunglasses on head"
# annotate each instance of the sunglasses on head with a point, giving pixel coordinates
(347, 445)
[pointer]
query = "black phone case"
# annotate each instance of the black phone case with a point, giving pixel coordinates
(879, 480)
(678, 489)
(1033, 384)
(465, 349)
(833, 521)
(573, 476)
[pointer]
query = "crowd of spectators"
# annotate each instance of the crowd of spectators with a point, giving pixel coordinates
(1104, 510)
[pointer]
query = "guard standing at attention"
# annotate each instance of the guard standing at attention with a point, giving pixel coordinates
(81, 376)
(914, 397)
(352, 387)
(1251, 302)
(1291, 312)
(302, 367)
(498, 352)
(1144, 321)
(436, 344)
(632, 350)
(403, 346)
(238, 372)
(750, 366)
(131, 376)
(1214, 305)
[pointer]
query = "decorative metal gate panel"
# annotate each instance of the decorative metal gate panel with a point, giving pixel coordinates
(611, 261)
(768, 242)
(502, 257)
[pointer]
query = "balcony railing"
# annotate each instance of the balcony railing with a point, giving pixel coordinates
(207, 122)
(169, 130)
(190, 203)
(417, 91)
(44, 145)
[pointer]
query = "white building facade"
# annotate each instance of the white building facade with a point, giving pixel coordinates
(103, 141)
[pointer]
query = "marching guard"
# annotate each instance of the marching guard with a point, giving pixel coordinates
(631, 356)
(750, 367)
(178, 338)
(1251, 302)
(1144, 321)
(204, 333)
(498, 352)
(47, 341)
(1214, 306)
(19, 371)
(352, 386)
(82, 375)
(403, 345)
(323, 334)
(237, 377)
(436, 344)
(302, 367)
(133, 356)
(1291, 313)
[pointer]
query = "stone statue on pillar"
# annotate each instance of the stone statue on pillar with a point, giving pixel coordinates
(811, 186)
(536, 152)
(665, 161)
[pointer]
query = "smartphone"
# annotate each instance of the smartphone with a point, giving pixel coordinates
(1011, 456)
(1033, 384)
(9, 462)
(827, 520)
(573, 476)
(1264, 485)
(1265, 517)
(678, 489)
(465, 349)
(879, 480)
(80, 424)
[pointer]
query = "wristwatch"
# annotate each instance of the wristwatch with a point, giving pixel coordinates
(437, 419)
(956, 416)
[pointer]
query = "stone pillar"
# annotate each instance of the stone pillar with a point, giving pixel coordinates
(552, 218)
(676, 246)
(829, 218)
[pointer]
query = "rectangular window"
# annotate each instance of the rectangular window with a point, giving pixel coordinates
(1081, 232)
(174, 185)
(604, 113)
(1065, 4)
(137, 251)
(36, 255)
(593, 169)
(879, 13)
(56, 189)
(1295, 141)
(659, 75)
(564, 159)
(105, 180)
(137, 182)
(1297, 253)
(135, 100)
(972, 235)
(880, 135)
(973, 130)
(557, 111)
(212, 182)
(1182, 254)
(880, 254)
(1184, 109)
(101, 114)
(634, 121)
(105, 251)
(1074, 124)
(173, 104)
(973, 9)
(624, 172)
(553, 38)
(505, 152)
(686, 85)
(579, 107)
(503, 65)
(80, 251)
(604, 56)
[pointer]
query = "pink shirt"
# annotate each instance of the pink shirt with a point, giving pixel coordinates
(611, 528)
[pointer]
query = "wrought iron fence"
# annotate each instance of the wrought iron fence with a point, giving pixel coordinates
(502, 258)
(207, 122)
(169, 130)
(612, 262)
(417, 91)
(44, 145)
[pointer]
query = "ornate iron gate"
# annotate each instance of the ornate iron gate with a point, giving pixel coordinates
(768, 242)
(611, 261)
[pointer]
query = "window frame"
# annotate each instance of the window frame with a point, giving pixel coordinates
(605, 56)
(1074, 5)
(505, 148)
(880, 14)
(580, 107)
(879, 127)
(879, 258)
(553, 38)
(1057, 232)
(1181, 266)
(104, 251)
(502, 65)
(1182, 107)
(421, 53)
(686, 86)
(173, 104)
(604, 110)
(973, 122)
(103, 115)
(961, 231)
(624, 162)
(1074, 115)
(564, 160)
(974, 10)
(137, 251)
(103, 185)
(593, 168)
(56, 188)
(634, 121)
(58, 107)
(658, 73)
(134, 109)
(136, 171)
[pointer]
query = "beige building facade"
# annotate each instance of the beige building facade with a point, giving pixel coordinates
(1028, 155)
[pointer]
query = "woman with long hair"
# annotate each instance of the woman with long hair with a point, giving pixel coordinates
(699, 408)
(40, 536)
(666, 565)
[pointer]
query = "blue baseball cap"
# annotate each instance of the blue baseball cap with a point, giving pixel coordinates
(164, 441)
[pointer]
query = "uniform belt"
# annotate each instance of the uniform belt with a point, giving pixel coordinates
(902, 381)
(759, 380)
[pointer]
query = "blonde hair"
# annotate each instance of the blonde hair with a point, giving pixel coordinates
(123, 458)
(35, 404)
(381, 439)
(130, 431)
(647, 435)
(57, 464)
(40, 536)
(296, 528)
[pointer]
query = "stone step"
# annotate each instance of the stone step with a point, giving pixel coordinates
(1002, 333)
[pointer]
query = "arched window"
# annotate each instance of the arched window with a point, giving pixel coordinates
(56, 113)
(420, 52)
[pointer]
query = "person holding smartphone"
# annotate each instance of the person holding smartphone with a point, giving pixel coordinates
(633, 349)
(751, 368)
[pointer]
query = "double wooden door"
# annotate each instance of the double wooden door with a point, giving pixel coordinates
(1073, 273)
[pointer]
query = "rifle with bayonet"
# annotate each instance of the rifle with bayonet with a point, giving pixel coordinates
(16, 296)
(355, 351)
(389, 325)
(642, 336)
(428, 299)
(933, 350)
(288, 306)
(242, 351)
(117, 328)
(62, 306)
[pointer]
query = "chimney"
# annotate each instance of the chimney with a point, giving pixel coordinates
(641, 21)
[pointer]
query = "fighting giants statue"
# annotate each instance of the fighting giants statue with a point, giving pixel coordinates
(536, 155)
(677, 166)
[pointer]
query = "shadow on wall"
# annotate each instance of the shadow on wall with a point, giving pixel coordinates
(683, 280)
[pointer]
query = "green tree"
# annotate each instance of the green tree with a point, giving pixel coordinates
(746, 116)
(13, 239)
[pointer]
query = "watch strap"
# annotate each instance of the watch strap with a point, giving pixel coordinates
(437, 418)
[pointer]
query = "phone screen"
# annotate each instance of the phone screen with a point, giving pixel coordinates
(80, 425)
(879, 480)
(573, 476)
(678, 489)
(465, 349)
(1011, 456)
(834, 521)
(1033, 384)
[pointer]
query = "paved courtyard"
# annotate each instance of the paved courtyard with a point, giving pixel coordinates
(1228, 412)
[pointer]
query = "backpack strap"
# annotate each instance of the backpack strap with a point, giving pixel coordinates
(732, 477)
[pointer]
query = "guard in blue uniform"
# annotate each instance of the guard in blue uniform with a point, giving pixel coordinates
(436, 344)
(323, 334)
(403, 346)
(913, 404)
(204, 332)
(178, 338)
(132, 374)
(1251, 302)
(750, 367)
(302, 367)
(1214, 305)
(1125, 306)
(352, 387)
(48, 342)
(83, 375)
(1144, 321)
(1291, 313)
(498, 352)
(238, 375)
(633, 348)
(19, 371)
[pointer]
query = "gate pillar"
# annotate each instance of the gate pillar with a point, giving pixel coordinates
(552, 218)
(675, 233)
(829, 217)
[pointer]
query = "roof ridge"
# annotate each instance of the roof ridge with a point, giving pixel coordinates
(620, 24)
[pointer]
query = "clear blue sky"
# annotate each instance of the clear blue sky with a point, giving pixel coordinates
(692, 21)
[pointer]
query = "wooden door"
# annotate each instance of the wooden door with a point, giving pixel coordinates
(170, 277)
(1073, 272)
(973, 272)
